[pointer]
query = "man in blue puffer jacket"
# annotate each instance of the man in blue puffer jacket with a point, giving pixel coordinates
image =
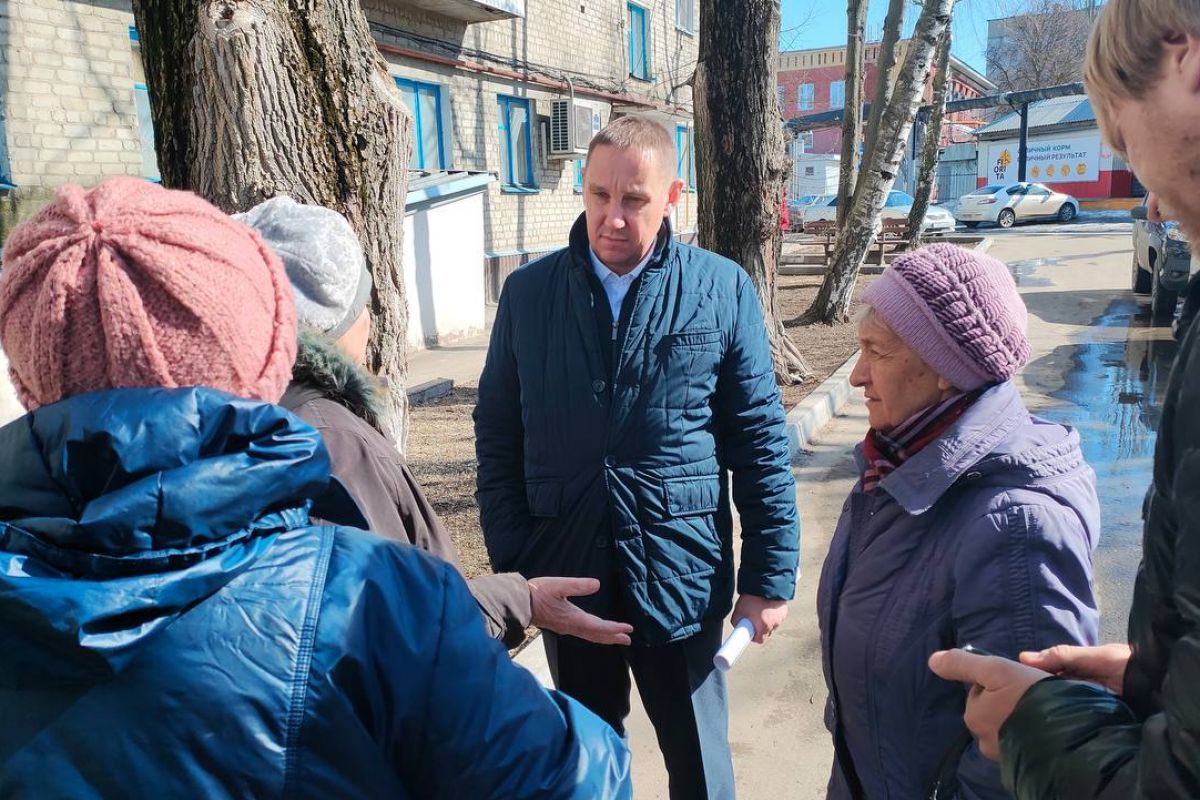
(174, 624)
(627, 377)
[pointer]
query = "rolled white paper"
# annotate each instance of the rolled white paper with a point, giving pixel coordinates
(742, 634)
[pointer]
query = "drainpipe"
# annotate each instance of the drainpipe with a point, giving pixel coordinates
(1024, 142)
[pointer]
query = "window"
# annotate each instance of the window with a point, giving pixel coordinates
(639, 43)
(810, 171)
(141, 99)
(424, 101)
(578, 176)
(805, 97)
(685, 156)
(837, 94)
(780, 92)
(141, 103)
(516, 144)
(685, 15)
(806, 140)
(1018, 190)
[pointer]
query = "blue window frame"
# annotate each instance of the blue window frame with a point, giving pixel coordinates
(804, 97)
(837, 94)
(141, 100)
(685, 156)
(424, 101)
(516, 144)
(578, 176)
(639, 43)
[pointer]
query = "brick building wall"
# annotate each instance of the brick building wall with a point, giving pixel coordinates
(70, 72)
(68, 97)
(823, 67)
(586, 40)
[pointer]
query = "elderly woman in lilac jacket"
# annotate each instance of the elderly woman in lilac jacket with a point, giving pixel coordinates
(973, 523)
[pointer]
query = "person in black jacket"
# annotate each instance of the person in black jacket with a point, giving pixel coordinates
(1122, 720)
(627, 404)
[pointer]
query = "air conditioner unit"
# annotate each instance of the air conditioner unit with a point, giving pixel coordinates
(572, 126)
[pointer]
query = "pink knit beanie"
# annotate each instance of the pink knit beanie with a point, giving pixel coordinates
(130, 284)
(958, 309)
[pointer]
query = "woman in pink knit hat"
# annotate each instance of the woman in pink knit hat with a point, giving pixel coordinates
(174, 624)
(973, 523)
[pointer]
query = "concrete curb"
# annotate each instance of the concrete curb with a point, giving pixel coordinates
(430, 390)
(822, 405)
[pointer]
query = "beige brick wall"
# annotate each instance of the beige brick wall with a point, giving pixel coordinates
(68, 92)
(68, 73)
(586, 38)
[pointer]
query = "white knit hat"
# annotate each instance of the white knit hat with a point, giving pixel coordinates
(323, 258)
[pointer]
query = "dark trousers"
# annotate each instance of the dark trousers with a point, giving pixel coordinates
(683, 693)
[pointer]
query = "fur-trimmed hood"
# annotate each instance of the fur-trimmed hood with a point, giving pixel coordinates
(323, 369)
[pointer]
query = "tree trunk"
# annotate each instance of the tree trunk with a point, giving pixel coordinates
(742, 157)
(931, 144)
(883, 162)
(885, 75)
(856, 41)
(252, 100)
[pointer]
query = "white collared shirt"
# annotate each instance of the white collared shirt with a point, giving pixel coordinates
(616, 286)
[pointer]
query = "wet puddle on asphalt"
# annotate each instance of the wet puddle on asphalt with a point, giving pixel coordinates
(1023, 271)
(1111, 391)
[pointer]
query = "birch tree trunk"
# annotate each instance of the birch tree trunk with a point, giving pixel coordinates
(856, 43)
(883, 162)
(931, 143)
(885, 75)
(742, 157)
(258, 98)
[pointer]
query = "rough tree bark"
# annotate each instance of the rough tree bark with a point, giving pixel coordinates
(881, 166)
(256, 98)
(885, 73)
(742, 157)
(931, 142)
(856, 45)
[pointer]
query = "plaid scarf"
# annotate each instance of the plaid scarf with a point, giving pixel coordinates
(885, 452)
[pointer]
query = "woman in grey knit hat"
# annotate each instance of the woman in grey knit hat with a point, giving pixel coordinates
(331, 391)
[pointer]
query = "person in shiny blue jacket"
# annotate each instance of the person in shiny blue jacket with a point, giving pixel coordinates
(175, 624)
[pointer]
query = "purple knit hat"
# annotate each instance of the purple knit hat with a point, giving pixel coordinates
(958, 309)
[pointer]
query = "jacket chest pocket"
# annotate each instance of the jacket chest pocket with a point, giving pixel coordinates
(692, 363)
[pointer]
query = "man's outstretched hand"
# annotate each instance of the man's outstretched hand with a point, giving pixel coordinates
(554, 611)
(996, 685)
(1104, 665)
(766, 615)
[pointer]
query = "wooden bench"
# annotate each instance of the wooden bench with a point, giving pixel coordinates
(823, 228)
(893, 232)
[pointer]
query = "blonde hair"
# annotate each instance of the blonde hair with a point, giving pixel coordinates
(636, 132)
(1125, 50)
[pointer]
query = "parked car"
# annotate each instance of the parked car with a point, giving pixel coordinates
(1006, 204)
(1162, 260)
(897, 206)
(798, 205)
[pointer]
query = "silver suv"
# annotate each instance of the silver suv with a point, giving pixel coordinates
(1161, 262)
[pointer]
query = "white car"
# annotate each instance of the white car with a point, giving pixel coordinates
(897, 206)
(1006, 204)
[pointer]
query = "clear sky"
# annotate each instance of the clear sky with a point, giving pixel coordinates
(822, 23)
